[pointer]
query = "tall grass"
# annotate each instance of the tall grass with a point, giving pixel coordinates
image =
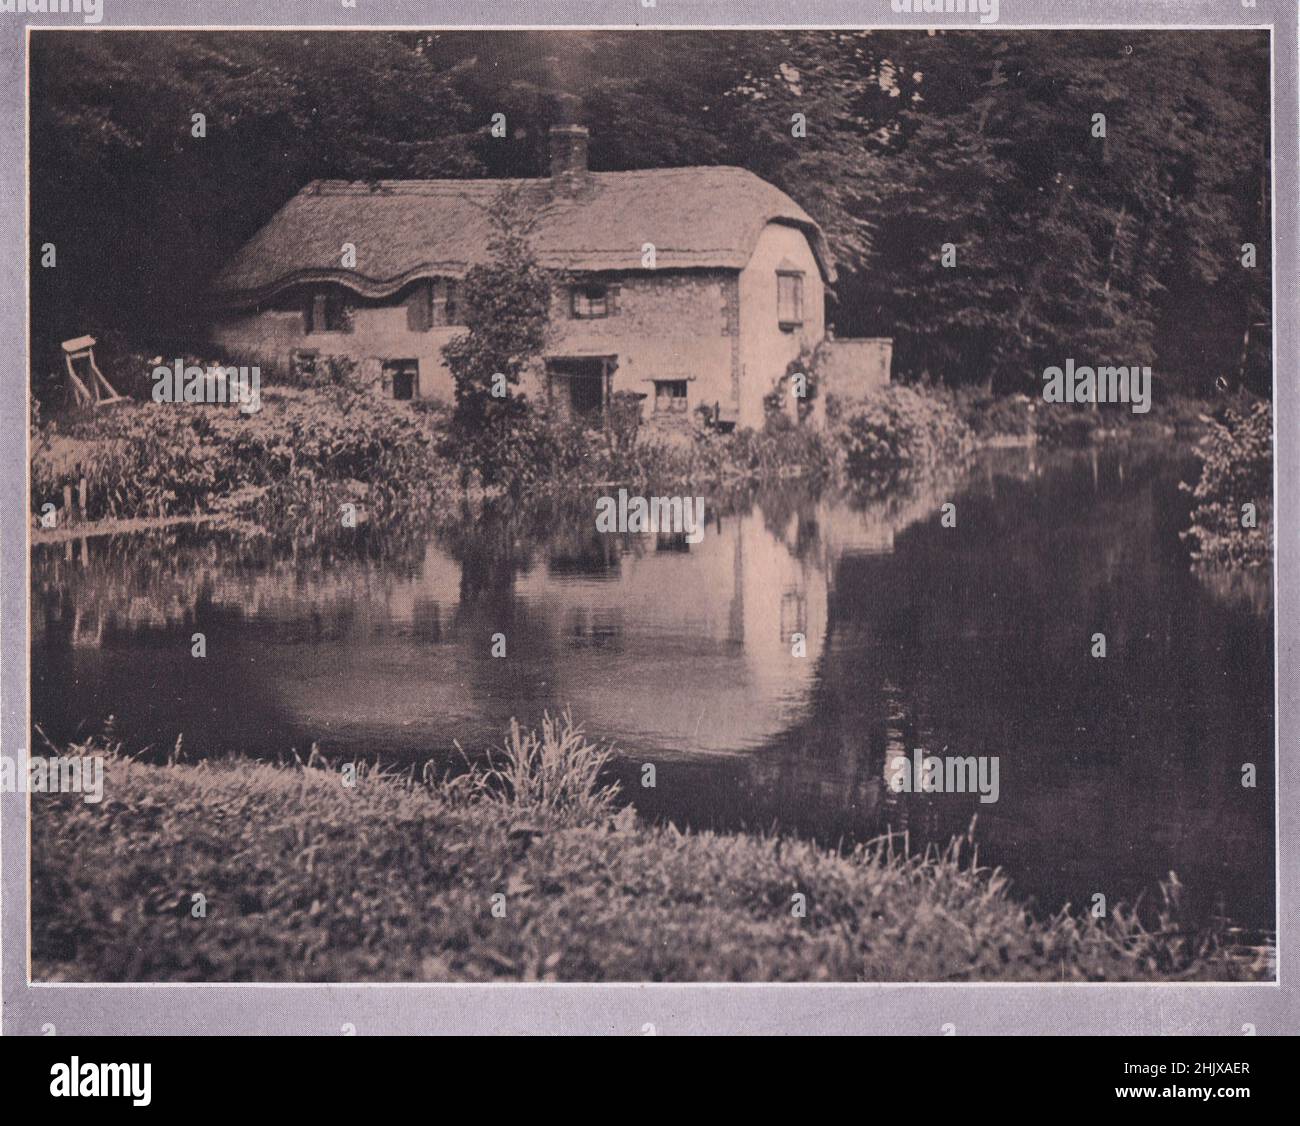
(552, 777)
(157, 460)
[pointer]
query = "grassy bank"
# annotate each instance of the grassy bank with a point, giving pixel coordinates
(304, 878)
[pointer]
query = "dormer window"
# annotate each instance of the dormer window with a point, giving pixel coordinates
(590, 302)
(789, 299)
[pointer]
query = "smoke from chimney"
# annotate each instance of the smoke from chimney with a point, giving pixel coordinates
(568, 159)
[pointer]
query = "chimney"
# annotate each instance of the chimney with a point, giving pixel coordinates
(568, 159)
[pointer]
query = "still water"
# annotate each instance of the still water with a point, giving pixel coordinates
(973, 640)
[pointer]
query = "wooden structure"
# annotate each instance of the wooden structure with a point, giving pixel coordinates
(90, 388)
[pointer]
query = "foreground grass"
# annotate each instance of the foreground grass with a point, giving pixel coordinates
(393, 879)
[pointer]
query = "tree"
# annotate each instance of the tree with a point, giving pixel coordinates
(506, 303)
(144, 213)
(1125, 245)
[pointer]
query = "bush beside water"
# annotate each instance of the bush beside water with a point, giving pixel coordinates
(328, 440)
(899, 430)
(143, 460)
(1236, 454)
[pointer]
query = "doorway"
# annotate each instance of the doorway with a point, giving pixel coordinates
(403, 376)
(579, 386)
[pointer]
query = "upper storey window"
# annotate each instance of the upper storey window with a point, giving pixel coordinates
(789, 299)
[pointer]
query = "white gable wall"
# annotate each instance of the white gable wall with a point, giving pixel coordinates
(765, 350)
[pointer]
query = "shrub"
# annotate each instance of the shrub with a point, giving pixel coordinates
(995, 416)
(1066, 425)
(525, 450)
(775, 410)
(1236, 455)
(896, 430)
(150, 459)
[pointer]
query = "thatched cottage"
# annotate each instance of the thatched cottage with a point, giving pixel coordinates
(687, 286)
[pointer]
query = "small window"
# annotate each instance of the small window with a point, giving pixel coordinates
(327, 311)
(670, 395)
(789, 300)
(403, 376)
(672, 541)
(590, 301)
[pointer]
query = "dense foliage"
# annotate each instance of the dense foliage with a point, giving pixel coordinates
(897, 430)
(1236, 454)
(506, 304)
(168, 459)
(1125, 247)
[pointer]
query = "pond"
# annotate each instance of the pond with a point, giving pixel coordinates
(770, 672)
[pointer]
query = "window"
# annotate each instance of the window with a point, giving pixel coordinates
(672, 541)
(452, 312)
(591, 301)
(419, 308)
(403, 376)
(327, 311)
(789, 299)
(670, 395)
(434, 304)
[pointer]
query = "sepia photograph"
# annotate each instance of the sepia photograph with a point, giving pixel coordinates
(651, 506)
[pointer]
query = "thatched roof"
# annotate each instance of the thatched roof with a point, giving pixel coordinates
(704, 217)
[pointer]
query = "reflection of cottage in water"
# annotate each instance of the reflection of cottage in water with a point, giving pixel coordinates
(690, 647)
(653, 642)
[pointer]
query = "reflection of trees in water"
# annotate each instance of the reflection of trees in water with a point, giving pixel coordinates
(973, 639)
(977, 643)
(161, 577)
(1248, 589)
